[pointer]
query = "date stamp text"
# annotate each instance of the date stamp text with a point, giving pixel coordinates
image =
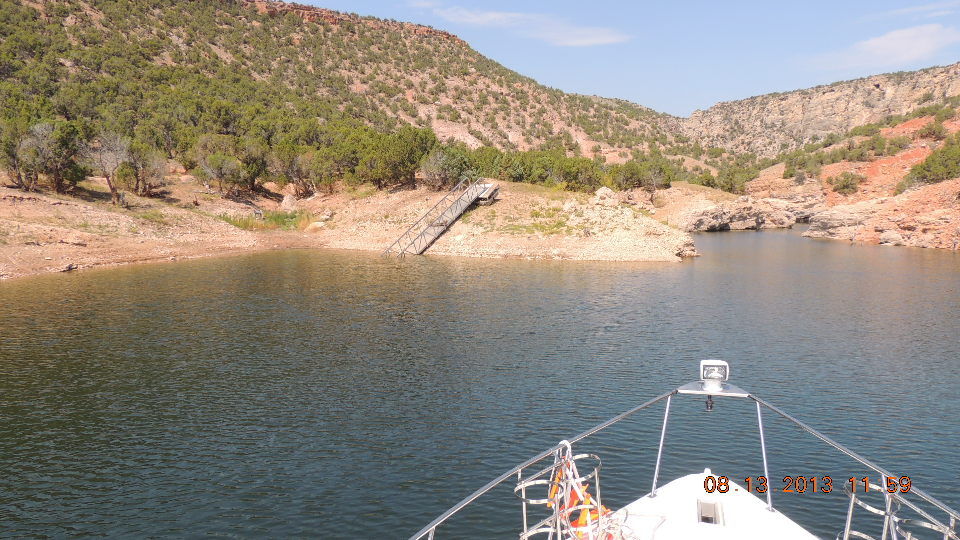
(805, 484)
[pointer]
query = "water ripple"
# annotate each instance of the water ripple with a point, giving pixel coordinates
(302, 394)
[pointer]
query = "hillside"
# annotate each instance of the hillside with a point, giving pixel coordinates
(769, 124)
(162, 123)
(425, 76)
(195, 79)
(764, 125)
(434, 77)
(245, 92)
(380, 71)
(900, 186)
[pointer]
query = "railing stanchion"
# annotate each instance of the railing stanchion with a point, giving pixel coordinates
(523, 500)
(763, 449)
(887, 516)
(846, 528)
(663, 435)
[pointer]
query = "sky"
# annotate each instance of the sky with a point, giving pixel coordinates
(679, 56)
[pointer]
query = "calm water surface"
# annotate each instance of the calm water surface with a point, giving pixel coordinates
(340, 395)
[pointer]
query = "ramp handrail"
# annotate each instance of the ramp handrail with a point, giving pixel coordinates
(429, 219)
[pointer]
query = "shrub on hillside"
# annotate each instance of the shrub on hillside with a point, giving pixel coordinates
(933, 130)
(945, 113)
(868, 130)
(905, 184)
(847, 183)
(445, 166)
(877, 144)
(734, 179)
(942, 164)
(896, 144)
(705, 179)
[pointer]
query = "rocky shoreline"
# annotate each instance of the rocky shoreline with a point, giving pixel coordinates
(44, 233)
(526, 222)
(928, 217)
(746, 213)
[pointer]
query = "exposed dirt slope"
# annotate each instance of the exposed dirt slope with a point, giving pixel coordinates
(926, 216)
(40, 233)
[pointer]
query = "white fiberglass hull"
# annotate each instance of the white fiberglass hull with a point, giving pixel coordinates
(682, 509)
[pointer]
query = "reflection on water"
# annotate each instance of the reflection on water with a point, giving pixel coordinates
(348, 396)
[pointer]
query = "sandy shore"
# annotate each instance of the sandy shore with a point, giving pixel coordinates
(526, 222)
(43, 233)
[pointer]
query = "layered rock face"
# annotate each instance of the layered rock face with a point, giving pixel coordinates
(746, 213)
(841, 223)
(928, 217)
(802, 200)
(763, 124)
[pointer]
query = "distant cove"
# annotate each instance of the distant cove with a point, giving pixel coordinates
(343, 395)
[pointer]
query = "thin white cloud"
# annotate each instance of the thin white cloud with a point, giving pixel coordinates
(893, 50)
(423, 4)
(499, 19)
(936, 9)
(552, 29)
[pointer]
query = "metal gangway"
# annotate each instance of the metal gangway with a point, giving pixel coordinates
(438, 219)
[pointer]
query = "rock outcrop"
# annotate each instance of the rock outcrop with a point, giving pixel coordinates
(289, 203)
(532, 224)
(841, 222)
(928, 217)
(803, 200)
(746, 213)
(763, 124)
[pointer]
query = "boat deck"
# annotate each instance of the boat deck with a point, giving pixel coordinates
(682, 509)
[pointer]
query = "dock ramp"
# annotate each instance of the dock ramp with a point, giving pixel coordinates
(438, 219)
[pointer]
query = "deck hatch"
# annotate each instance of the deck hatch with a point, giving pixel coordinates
(710, 512)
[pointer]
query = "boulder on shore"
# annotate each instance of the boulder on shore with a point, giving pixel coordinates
(289, 203)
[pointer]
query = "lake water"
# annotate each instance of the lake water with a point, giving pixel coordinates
(341, 395)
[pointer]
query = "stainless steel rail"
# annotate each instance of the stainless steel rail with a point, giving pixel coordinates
(421, 234)
(949, 531)
(431, 528)
(892, 523)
